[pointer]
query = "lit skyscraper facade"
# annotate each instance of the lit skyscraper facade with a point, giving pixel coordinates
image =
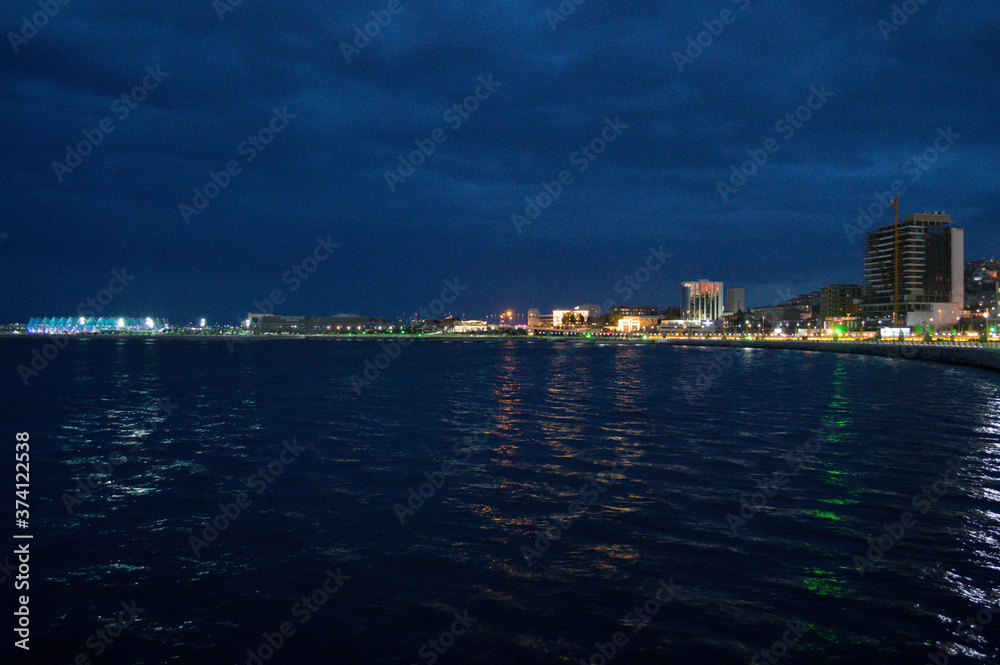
(702, 300)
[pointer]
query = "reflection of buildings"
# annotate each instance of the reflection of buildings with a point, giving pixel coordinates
(701, 300)
(918, 274)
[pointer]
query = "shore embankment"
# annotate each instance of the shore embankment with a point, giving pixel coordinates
(976, 354)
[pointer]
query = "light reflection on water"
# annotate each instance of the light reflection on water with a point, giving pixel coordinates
(548, 421)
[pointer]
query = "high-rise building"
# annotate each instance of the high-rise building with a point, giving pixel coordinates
(838, 300)
(702, 300)
(736, 300)
(916, 272)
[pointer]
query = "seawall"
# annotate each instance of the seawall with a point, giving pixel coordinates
(959, 353)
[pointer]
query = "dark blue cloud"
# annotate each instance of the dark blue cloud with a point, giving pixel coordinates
(325, 173)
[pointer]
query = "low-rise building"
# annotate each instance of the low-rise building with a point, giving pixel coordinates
(634, 324)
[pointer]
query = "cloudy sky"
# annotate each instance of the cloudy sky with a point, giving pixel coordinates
(205, 148)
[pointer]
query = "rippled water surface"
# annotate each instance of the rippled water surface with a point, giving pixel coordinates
(629, 458)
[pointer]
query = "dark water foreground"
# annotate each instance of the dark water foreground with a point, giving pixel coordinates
(498, 502)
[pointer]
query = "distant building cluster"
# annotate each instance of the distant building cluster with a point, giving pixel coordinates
(915, 279)
(86, 324)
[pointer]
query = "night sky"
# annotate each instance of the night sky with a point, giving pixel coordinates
(309, 114)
